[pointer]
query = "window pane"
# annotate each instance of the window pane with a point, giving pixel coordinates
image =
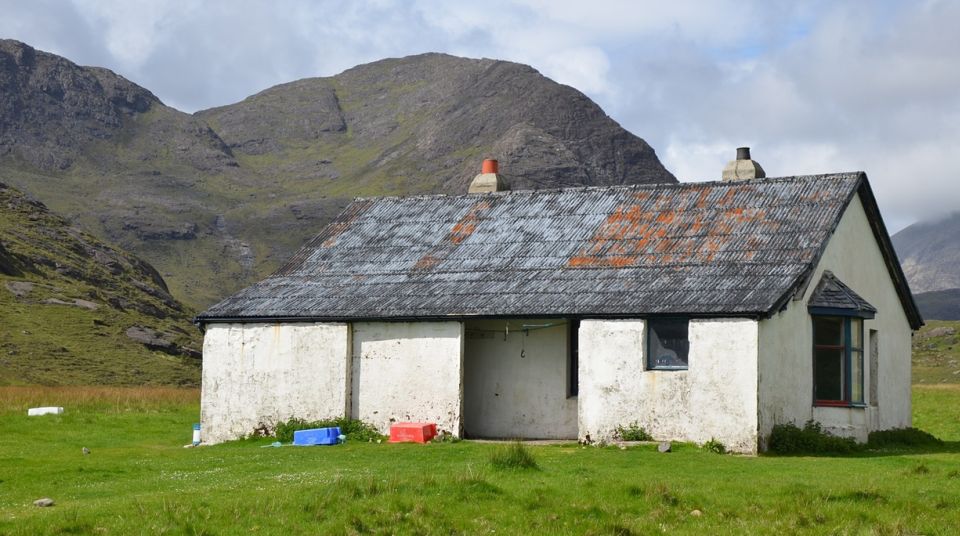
(827, 330)
(668, 343)
(856, 333)
(828, 374)
(856, 372)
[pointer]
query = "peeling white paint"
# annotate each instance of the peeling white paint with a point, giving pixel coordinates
(715, 398)
(267, 373)
(515, 381)
(408, 371)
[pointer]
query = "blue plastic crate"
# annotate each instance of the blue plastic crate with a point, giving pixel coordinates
(317, 436)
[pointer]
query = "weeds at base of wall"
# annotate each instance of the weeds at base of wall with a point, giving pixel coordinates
(715, 446)
(354, 430)
(514, 455)
(632, 432)
(444, 436)
(811, 439)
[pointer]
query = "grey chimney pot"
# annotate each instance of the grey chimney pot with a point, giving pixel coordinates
(743, 168)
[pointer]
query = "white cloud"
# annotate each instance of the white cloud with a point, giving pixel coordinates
(585, 68)
(811, 86)
(132, 28)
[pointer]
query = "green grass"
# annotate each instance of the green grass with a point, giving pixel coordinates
(936, 353)
(936, 409)
(139, 480)
(513, 455)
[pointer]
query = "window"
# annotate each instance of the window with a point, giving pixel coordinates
(573, 359)
(667, 343)
(837, 360)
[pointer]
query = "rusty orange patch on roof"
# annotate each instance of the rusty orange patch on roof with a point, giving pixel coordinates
(462, 230)
(658, 233)
(727, 198)
(426, 262)
(615, 261)
(468, 224)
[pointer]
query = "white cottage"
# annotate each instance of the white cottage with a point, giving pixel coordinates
(696, 310)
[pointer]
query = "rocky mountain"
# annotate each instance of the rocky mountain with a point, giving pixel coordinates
(422, 123)
(930, 254)
(75, 310)
(217, 199)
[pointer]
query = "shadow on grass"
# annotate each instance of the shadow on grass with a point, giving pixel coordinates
(946, 447)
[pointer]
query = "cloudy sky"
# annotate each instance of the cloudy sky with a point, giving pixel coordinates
(811, 86)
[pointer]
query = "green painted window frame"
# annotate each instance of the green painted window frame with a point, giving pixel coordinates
(852, 368)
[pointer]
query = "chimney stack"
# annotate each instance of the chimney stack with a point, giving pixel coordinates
(743, 167)
(488, 180)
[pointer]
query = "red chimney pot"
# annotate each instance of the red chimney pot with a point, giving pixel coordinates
(489, 166)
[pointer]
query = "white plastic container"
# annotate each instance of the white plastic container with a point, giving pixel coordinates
(49, 410)
(196, 434)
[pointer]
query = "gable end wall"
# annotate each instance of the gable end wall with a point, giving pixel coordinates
(786, 358)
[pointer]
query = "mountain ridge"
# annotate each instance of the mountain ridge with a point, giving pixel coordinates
(939, 304)
(219, 198)
(929, 252)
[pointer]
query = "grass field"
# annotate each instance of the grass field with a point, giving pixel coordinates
(936, 352)
(138, 479)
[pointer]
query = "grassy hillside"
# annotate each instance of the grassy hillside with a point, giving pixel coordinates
(138, 479)
(77, 311)
(936, 353)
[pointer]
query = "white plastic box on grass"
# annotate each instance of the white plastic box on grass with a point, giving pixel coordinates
(49, 410)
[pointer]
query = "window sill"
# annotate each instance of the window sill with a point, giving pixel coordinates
(667, 369)
(838, 404)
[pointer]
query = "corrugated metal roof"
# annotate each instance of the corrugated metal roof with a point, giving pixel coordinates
(712, 248)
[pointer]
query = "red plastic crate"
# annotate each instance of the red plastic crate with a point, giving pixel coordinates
(416, 432)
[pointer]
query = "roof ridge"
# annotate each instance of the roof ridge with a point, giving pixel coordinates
(616, 187)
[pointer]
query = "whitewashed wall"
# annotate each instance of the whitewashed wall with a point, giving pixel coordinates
(509, 396)
(266, 373)
(715, 398)
(786, 360)
(408, 371)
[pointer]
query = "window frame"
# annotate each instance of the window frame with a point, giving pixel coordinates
(573, 358)
(851, 350)
(649, 331)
